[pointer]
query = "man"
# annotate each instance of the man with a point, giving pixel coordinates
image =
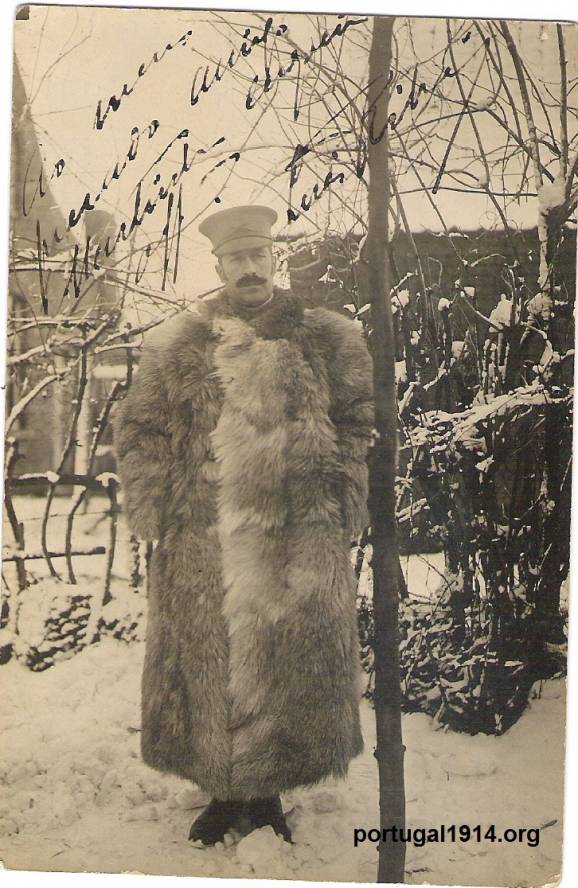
(242, 451)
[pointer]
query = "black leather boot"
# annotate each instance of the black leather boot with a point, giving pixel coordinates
(216, 820)
(268, 812)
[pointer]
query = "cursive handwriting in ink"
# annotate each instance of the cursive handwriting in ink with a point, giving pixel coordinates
(300, 152)
(42, 253)
(295, 165)
(174, 238)
(148, 197)
(264, 84)
(186, 163)
(411, 102)
(214, 74)
(40, 189)
(394, 119)
(89, 201)
(235, 156)
(317, 191)
(180, 137)
(114, 101)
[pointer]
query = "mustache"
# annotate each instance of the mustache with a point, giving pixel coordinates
(250, 280)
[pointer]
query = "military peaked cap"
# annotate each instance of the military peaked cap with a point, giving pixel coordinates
(239, 228)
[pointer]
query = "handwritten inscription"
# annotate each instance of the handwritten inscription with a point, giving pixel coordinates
(301, 152)
(86, 258)
(90, 201)
(114, 101)
(206, 77)
(160, 192)
(40, 186)
(264, 83)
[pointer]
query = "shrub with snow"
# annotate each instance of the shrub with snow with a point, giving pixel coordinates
(52, 622)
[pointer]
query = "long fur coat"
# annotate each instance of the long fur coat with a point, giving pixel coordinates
(242, 450)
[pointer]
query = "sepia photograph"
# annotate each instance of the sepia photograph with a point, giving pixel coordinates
(288, 445)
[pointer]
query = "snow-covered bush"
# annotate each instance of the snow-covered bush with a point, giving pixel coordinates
(466, 680)
(465, 675)
(52, 624)
(124, 617)
(496, 477)
(56, 620)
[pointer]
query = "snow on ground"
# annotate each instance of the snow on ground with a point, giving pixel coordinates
(75, 796)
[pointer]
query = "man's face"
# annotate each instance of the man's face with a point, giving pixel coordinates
(248, 275)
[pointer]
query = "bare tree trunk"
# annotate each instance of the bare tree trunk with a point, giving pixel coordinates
(390, 750)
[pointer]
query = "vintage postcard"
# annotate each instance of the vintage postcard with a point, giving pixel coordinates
(288, 457)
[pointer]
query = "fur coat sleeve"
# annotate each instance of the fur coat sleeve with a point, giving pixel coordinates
(352, 413)
(142, 444)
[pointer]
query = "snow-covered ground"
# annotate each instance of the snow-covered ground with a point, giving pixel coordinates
(75, 795)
